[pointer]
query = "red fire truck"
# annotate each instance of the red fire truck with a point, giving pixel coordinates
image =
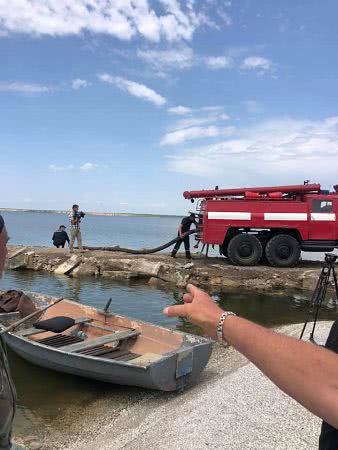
(274, 223)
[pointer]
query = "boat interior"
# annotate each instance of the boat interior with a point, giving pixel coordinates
(86, 331)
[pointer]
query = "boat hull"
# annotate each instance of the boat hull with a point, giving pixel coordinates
(170, 373)
(161, 375)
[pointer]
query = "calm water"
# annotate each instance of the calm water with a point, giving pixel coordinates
(27, 228)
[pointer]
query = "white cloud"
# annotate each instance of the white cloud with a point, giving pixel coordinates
(106, 78)
(192, 122)
(275, 151)
(195, 132)
(58, 168)
(198, 120)
(133, 88)
(179, 110)
(256, 62)
(88, 166)
(214, 108)
(24, 88)
(123, 19)
(224, 16)
(224, 116)
(78, 83)
(218, 62)
(181, 57)
(195, 117)
(175, 58)
(198, 123)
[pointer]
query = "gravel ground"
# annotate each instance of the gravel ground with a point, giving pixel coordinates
(234, 406)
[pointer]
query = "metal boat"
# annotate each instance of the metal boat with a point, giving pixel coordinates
(109, 347)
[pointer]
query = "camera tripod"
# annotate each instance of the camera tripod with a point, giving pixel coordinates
(319, 294)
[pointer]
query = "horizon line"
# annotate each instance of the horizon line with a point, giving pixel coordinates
(90, 213)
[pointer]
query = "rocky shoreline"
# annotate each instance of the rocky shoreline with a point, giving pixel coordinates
(162, 271)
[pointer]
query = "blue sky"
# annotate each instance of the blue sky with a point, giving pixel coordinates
(122, 105)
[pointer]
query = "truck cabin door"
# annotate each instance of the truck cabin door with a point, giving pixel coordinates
(322, 220)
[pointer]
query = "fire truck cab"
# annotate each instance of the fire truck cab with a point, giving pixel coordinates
(275, 223)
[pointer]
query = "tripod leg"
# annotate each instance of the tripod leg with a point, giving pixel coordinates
(321, 297)
(315, 322)
(335, 281)
(314, 299)
(304, 327)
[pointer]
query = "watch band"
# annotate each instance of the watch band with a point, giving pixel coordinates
(220, 337)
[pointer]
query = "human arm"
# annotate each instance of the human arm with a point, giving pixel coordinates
(73, 218)
(67, 237)
(53, 237)
(306, 372)
(180, 231)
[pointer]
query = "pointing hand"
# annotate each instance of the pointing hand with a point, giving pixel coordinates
(199, 309)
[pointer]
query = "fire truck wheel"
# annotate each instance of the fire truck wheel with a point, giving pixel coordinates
(244, 250)
(282, 251)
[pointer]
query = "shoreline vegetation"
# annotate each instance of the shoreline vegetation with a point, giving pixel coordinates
(89, 213)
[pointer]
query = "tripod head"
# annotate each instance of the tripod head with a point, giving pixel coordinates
(330, 258)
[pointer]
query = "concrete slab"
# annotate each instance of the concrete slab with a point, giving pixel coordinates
(69, 265)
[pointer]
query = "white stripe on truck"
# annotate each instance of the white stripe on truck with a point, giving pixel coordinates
(302, 217)
(218, 215)
(325, 217)
(286, 216)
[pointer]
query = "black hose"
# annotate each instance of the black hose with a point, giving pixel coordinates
(142, 251)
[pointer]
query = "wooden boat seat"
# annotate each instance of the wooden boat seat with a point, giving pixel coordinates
(90, 343)
(31, 331)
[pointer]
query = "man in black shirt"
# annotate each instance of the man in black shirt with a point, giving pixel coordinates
(183, 230)
(7, 390)
(60, 237)
(328, 439)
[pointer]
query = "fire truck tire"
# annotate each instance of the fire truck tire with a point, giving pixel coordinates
(282, 250)
(245, 250)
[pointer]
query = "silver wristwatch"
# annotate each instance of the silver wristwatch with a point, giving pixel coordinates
(220, 337)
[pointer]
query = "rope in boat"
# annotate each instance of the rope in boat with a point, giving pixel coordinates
(141, 251)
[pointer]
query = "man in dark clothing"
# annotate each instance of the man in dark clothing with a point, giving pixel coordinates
(183, 234)
(60, 237)
(328, 439)
(7, 391)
